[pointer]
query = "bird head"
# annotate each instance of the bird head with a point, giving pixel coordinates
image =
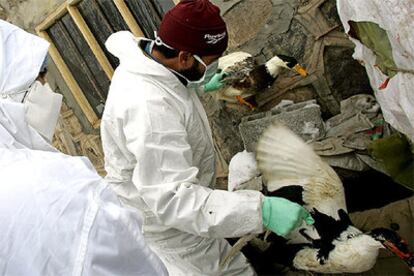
(394, 243)
(275, 64)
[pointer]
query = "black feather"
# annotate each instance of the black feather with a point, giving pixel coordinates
(261, 78)
(328, 229)
(276, 258)
(290, 61)
(293, 193)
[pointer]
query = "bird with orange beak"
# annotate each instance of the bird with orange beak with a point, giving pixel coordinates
(243, 77)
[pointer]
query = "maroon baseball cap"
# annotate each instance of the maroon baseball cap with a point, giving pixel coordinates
(195, 26)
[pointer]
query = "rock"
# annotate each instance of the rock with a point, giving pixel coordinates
(303, 118)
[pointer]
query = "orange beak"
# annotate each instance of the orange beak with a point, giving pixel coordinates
(300, 70)
(405, 256)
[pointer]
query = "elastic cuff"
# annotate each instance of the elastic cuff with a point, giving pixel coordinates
(266, 211)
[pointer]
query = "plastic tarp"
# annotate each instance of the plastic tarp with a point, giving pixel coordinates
(396, 18)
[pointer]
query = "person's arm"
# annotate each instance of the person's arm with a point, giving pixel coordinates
(167, 180)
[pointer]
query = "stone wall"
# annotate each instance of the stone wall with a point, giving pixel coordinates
(27, 13)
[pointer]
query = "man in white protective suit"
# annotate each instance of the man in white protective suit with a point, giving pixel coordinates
(23, 78)
(159, 150)
(57, 215)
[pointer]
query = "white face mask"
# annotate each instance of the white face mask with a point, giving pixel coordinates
(43, 109)
(209, 72)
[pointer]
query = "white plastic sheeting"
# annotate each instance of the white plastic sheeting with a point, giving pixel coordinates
(397, 18)
(242, 168)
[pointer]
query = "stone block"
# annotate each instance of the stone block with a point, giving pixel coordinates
(302, 118)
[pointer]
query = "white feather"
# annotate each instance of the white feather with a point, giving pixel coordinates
(229, 93)
(231, 59)
(275, 65)
(284, 159)
(354, 252)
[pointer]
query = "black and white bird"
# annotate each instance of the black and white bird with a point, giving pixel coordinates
(332, 245)
(245, 77)
(291, 169)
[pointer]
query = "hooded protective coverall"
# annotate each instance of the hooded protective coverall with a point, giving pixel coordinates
(160, 159)
(21, 57)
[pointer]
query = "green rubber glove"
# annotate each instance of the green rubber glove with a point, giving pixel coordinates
(283, 216)
(215, 83)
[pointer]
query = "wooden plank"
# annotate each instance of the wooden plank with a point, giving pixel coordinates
(52, 18)
(146, 15)
(101, 24)
(163, 6)
(112, 15)
(81, 61)
(73, 2)
(129, 18)
(91, 40)
(70, 80)
(97, 124)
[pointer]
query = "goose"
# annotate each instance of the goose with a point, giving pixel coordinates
(245, 77)
(292, 170)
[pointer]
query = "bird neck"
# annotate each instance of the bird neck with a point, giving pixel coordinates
(274, 66)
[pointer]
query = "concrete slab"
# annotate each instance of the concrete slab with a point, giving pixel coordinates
(303, 118)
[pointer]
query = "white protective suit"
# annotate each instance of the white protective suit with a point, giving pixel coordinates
(57, 215)
(160, 159)
(21, 57)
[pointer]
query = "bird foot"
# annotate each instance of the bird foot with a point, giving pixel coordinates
(242, 101)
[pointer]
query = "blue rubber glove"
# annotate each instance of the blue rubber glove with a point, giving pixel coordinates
(215, 83)
(283, 216)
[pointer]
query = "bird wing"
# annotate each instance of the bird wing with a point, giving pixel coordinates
(285, 159)
(232, 92)
(231, 59)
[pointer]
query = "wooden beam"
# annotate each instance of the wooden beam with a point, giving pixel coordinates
(97, 124)
(73, 2)
(52, 18)
(129, 18)
(91, 40)
(70, 81)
